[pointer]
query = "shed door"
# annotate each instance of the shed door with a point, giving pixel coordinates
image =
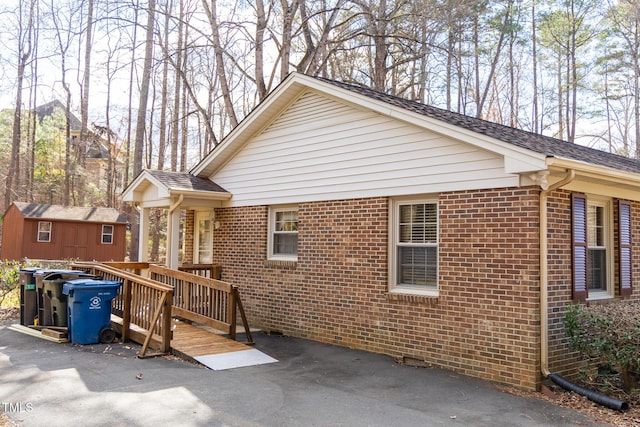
(75, 238)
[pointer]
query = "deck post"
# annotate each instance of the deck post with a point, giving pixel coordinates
(167, 323)
(126, 309)
(143, 240)
(231, 315)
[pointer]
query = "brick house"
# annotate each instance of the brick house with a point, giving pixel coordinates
(364, 220)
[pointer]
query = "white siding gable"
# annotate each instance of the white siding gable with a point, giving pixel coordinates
(323, 149)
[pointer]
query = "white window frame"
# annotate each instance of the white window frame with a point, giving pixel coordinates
(606, 204)
(200, 217)
(272, 230)
(42, 232)
(394, 217)
(104, 234)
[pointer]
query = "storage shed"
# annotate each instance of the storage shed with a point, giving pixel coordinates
(38, 231)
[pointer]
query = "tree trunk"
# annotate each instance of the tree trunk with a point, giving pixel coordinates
(141, 120)
(534, 50)
(175, 121)
(261, 26)
(218, 51)
(162, 139)
(144, 91)
(24, 53)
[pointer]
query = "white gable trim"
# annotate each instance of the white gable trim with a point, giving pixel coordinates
(517, 159)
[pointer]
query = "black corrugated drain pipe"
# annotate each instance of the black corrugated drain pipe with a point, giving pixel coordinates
(599, 398)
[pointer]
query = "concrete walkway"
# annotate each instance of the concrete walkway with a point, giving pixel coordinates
(49, 384)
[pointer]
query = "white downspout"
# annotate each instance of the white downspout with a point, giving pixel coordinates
(544, 285)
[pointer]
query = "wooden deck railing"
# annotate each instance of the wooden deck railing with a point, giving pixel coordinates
(139, 268)
(198, 298)
(212, 271)
(143, 304)
(203, 299)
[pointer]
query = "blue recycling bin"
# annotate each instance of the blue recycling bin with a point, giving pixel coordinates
(89, 310)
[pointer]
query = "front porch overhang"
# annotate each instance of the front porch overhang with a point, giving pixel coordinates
(174, 192)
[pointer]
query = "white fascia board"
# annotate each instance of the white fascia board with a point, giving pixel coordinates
(195, 194)
(588, 170)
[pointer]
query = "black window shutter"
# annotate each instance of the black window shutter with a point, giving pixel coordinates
(579, 243)
(624, 239)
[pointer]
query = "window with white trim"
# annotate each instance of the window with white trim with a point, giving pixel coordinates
(593, 247)
(414, 247)
(107, 234)
(44, 231)
(283, 233)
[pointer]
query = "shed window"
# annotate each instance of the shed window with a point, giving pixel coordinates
(283, 233)
(107, 234)
(414, 249)
(44, 231)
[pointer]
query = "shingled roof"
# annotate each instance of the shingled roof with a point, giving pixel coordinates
(185, 181)
(551, 147)
(70, 213)
(48, 109)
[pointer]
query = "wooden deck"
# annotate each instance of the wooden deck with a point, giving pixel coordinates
(191, 341)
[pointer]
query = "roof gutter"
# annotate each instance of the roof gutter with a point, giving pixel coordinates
(544, 285)
(213, 195)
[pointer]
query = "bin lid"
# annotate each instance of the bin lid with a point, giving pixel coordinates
(68, 275)
(47, 271)
(89, 284)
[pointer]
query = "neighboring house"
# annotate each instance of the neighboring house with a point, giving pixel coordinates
(97, 155)
(356, 218)
(57, 232)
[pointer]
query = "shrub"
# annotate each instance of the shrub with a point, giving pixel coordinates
(9, 280)
(608, 334)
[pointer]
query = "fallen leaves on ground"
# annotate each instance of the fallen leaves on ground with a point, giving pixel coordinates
(598, 413)
(9, 313)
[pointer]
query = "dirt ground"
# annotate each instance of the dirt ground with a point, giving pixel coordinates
(630, 418)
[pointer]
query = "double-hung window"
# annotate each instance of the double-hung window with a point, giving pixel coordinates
(44, 231)
(593, 246)
(283, 233)
(414, 247)
(107, 234)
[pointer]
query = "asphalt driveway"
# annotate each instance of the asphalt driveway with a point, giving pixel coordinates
(49, 384)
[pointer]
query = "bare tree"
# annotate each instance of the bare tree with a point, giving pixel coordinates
(212, 17)
(26, 25)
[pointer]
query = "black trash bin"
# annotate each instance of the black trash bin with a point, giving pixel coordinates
(28, 297)
(52, 309)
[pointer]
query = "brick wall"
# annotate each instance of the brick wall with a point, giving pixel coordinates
(189, 229)
(484, 323)
(561, 359)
